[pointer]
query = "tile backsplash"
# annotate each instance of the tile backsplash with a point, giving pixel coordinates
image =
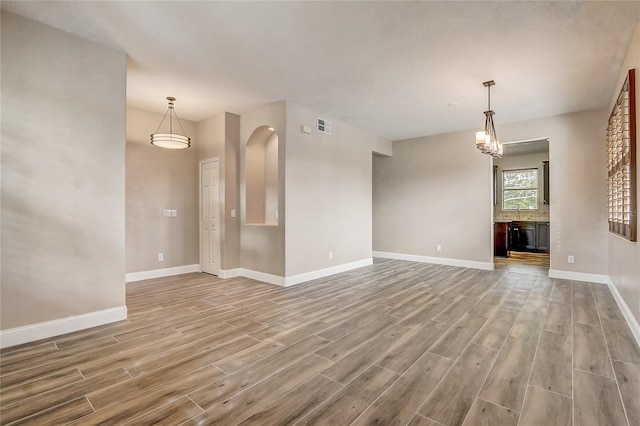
(540, 215)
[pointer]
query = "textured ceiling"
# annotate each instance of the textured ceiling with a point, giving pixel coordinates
(397, 69)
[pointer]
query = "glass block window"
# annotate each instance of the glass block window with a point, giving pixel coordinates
(621, 163)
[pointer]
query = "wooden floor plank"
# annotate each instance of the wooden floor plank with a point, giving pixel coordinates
(225, 387)
(552, 364)
(628, 377)
(558, 319)
(590, 350)
(484, 413)
(45, 401)
(361, 346)
(495, 331)
(354, 364)
(348, 403)
(154, 399)
(295, 404)
(130, 388)
(453, 397)
(457, 338)
(402, 400)
(507, 381)
(584, 305)
(173, 413)
(596, 401)
(620, 341)
(418, 342)
(243, 405)
(542, 407)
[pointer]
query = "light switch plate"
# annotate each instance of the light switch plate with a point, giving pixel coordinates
(233, 213)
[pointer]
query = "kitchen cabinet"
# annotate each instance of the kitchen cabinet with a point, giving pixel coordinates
(542, 237)
(528, 236)
(500, 239)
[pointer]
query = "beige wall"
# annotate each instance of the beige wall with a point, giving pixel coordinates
(63, 174)
(424, 194)
(156, 180)
(262, 246)
(624, 257)
(530, 161)
(271, 198)
(218, 136)
(231, 242)
(328, 193)
(577, 177)
(255, 181)
(434, 190)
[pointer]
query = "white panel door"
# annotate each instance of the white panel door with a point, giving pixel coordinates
(210, 216)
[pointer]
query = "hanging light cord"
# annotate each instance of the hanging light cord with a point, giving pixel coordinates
(171, 113)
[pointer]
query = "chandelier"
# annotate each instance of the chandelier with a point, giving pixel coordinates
(170, 140)
(486, 140)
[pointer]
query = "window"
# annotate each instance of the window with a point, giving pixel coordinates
(621, 161)
(520, 189)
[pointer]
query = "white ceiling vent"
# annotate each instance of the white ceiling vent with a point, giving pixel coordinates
(324, 126)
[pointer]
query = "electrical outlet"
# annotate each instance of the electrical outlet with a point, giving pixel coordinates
(174, 213)
(160, 257)
(438, 247)
(570, 259)
(167, 213)
(330, 255)
(233, 213)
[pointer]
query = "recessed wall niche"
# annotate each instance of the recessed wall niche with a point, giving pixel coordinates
(261, 177)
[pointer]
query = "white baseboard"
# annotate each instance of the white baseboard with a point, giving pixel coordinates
(321, 273)
(626, 312)
(488, 266)
(579, 276)
(159, 273)
(230, 273)
(294, 279)
(44, 330)
(261, 276)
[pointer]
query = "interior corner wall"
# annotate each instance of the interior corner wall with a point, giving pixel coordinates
(262, 247)
(437, 190)
(328, 186)
(577, 186)
(624, 256)
(159, 179)
(434, 190)
(218, 136)
(63, 175)
(231, 244)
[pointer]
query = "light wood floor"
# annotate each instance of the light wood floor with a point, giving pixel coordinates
(524, 263)
(393, 343)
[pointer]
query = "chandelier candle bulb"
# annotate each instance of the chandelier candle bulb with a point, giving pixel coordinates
(487, 140)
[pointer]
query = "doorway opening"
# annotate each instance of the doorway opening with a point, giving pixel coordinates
(521, 222)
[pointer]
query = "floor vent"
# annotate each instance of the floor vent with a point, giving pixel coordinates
(324, 126)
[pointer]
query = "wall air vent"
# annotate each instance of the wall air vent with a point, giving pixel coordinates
(324, 126)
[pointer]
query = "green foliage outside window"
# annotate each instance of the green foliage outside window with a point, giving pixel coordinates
(520, 189)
